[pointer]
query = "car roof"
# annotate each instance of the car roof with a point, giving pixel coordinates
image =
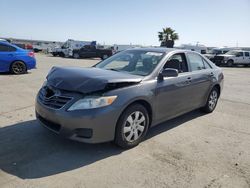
(160, 49)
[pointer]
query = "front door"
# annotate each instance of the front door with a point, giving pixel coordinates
(173, 94)
(239, 59)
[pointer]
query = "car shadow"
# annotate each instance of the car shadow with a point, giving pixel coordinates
(30, 151)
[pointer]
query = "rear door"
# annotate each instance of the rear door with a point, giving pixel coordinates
(202, 79)
(7, 56)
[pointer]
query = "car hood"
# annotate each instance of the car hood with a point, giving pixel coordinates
(88, 80)
(226, 55)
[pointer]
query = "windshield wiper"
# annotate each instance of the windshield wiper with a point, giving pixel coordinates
(114, 70)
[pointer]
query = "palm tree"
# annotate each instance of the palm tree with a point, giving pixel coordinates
(167, 37)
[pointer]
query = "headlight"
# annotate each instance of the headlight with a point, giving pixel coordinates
(92, 102)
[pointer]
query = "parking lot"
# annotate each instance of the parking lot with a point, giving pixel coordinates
(194, 150)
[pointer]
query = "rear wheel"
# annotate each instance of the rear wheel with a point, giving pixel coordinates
(132, 126)
(211, 101)
(18, 67)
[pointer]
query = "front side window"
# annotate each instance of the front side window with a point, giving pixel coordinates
(240, 54)
(247, 54)
(138, 62)
(196, 62)
(177, 61)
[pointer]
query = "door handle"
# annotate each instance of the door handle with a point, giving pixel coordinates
(189, 80)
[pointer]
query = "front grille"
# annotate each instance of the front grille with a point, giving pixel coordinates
(53, 126)
(53, 101)
(218, 59)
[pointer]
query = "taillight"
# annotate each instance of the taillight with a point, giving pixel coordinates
(31, 54)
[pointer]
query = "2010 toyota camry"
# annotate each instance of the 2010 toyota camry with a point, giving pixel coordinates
(120, 98)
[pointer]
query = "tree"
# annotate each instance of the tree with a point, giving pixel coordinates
(167, 37)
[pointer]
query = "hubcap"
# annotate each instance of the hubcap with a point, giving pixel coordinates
(134, 126)
(212, 100)
(18, 67)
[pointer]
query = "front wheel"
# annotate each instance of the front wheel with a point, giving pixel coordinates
(211, 101)
(76, 56)
(230, 63)
(18, 67)
(132, 126)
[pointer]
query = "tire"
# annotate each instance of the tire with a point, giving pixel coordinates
(211, 101)
(18, 67)
(129, 130)
(104, 56)
(230, 63)
(76, 56)
(61, 54)
(54, 54)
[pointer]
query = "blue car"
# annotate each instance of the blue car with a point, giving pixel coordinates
(15, 60)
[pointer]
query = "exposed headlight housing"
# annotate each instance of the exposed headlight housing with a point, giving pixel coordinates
(44, 83)
(91, 102)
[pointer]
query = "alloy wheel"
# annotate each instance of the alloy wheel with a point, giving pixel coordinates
(18, 67)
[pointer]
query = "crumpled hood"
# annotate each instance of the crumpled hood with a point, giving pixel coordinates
(87, 80)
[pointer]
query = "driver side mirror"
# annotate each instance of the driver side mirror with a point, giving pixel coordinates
(169, 72)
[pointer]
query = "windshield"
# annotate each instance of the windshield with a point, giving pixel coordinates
(215, 51)
(232, 53)
(136, 62)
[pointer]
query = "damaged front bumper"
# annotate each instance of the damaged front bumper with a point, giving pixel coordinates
(90, 126)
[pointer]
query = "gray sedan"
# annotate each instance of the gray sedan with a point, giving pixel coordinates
(120, 98)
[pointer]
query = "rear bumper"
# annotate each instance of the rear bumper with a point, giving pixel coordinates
(90, 126)
(31, 64)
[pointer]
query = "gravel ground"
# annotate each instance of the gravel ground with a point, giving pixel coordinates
(194, 150)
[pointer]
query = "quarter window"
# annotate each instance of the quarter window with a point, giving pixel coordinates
(196, 62)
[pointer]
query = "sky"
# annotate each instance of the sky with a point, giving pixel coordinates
(209, 22)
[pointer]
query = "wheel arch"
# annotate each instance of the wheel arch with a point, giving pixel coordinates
(145, 104)
(217, 86)
(16, 61)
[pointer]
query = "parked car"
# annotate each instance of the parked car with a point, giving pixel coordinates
(24, 46)
(66, 50)
(121, 97)
(233, 57)
(15, 60)
(90, 51)
(216, 51)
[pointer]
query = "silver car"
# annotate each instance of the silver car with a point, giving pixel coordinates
(120, 98)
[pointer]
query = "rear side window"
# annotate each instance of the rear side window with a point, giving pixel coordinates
(196, 62)
(6, 48)
(247, 54)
